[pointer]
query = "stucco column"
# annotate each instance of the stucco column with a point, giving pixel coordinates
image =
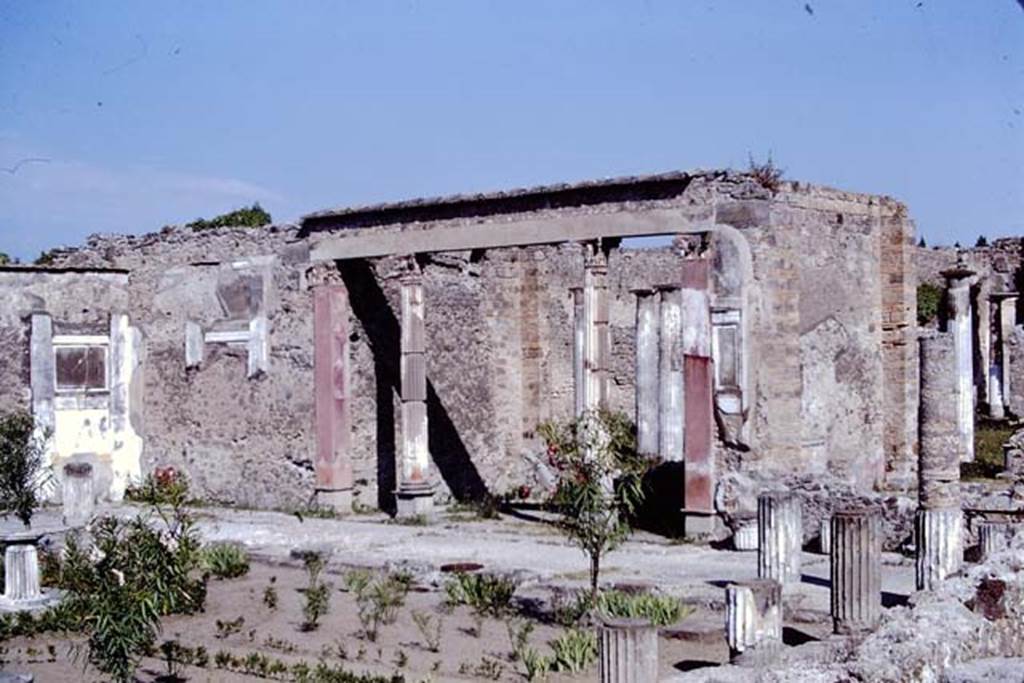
(1006, 318)
(939, 522)
(779, 536)
(753, 621)
(958, 302)
(698, 398)
(126, 409)
(670, 375)
(647, 388)
(982, 309)
(628, 651)
(856, 567)
(332, 387)
(78, 499)
(597, 333)
(994, 536)
(415, 491)
(579, 335)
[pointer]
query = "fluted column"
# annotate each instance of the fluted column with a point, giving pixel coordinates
(670, 376)
(939, 521)
(825, 537)
(647, 386)
(745, 536)
(958, 302)
(994, 537)
(1006, 318)
(779, 537)
(753, 620)
(415, 492)
(21, 573)
(628, 650)
(78, 497)
(856, 564)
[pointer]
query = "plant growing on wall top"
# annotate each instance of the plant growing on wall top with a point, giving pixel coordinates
(23, 472)
(249, 217)
(929, 298)
(598, 485)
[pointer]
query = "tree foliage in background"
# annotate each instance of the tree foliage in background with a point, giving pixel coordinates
(5, 259)
(982, 241)
(23, 472)
(929, 299)
(599, 476)
(251, 217)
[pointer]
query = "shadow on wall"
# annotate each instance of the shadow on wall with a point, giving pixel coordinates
(371, 307)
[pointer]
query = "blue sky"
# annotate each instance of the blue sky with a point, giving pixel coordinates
(148, 113)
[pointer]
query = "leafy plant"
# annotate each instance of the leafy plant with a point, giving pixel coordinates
(929, 299)
(570, 611)
(177, 656)
(378, 599)
(430, 628)
(23, 472)
(537, 665)
(575, 650)
(660, 610)
(486, 594)
(225, 561)
(317, 593)
(250, 217)
(599, 476)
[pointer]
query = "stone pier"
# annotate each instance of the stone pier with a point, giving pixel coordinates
(753, 621)
(939, 521)
(596, 330)
(856, 570)
(78, 499)
(415, 490)
(628, 650)
(825, 537)
(958, 303)
(331, 388)
(647, 359)
(779, 537)
(670, 376)
(698, 392)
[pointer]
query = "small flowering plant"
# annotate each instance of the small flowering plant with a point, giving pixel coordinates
(598, 487)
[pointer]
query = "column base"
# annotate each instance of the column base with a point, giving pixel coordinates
(697, 525)
(414, 500)
(339, 500)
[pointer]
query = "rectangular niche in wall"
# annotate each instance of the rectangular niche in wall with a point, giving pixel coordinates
(80, 364)
(727, 349)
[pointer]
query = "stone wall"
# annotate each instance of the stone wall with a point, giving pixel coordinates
(826, 299)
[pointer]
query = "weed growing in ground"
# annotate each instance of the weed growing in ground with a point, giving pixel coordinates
(229, 628)
(430, 628)
(574, 651)
(177, 656)
(225, 561)
(535, 664)
(571, 610)
(485, 669)
(317, 593)
(270, 594)
(377, 598)
(485, 594)
(519, 636)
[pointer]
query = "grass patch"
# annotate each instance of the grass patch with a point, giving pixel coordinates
(989, 438)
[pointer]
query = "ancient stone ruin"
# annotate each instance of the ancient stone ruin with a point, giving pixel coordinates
(399, 358)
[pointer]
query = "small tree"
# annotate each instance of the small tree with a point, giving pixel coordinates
(22, 465)
(982, 241)
(921, 243)
(598, 481)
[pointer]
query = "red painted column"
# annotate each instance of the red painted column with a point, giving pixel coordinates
(698, 397)
(331, 386)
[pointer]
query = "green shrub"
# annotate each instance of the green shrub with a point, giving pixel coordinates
(575, 650)
(164, 486)
(251, 217)
(929, 300)
(23, 472)
(486, 594)
(599, 481)
(225, 561)
(660, 610)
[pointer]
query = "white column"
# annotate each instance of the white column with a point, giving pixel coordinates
(753, 621)
(647, 386)
(415, 492)
(596, 339)
(959, 323)
(670, 376)
(779, 536)
(1006, 319)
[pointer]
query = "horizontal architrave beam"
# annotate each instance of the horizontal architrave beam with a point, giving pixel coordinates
(377, 243)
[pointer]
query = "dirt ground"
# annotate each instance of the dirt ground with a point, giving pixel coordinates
(401, 648)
